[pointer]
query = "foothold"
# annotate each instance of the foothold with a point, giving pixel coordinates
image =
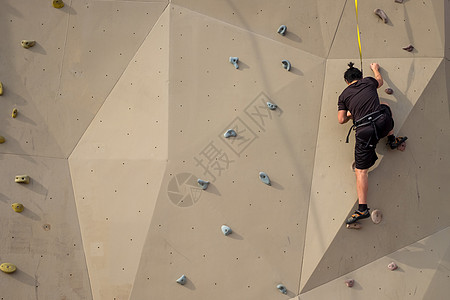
(182, 280)
(282, 288)
(203, 183)
(8, 268)
(14, 113)
(22, 179)
(286, 64)
(234, 61)
(389, 91)
(264, 178)
(1, 88)
(271, 106)
(226, 230)
(354, 226)
(376, 216)
(17, 207)
(379, 12)
(27, 43)
(282, 30)
(392, 266)
(58, 4)
(2, 139)
(350, 282)
(408, 48)
(399, 1)
(230, 133)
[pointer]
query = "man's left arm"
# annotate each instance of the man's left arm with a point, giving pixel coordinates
(344, 116)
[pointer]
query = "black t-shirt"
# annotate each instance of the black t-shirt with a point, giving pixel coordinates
(360, 98)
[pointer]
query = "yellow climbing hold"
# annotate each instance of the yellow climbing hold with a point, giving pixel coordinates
(14, 113)
(22, 179)
(2, 139)
(58, 4)
(1, 88)
(17, 207)
(27, 43)
(8, 268)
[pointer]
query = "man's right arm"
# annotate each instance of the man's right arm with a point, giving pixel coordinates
(376, 72)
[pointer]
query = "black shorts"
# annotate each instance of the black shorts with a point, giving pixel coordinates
(366, 139)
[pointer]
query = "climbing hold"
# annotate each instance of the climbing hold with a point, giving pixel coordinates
(282, 288)
(182, 280)
(8, 268)
(271, 106)
(230, 133)
(286, 64)
(379, 12)
(1, 88)
(350, 282)
(234, 61)
(392, 266)
(389, 91)
(399, 1)
(282, 30)
(376, 216)
(203, 183)
(354, 226)
(264, 178)
(22, 179)
(27, 44)
(408, 48)
(2, 139)
(17, 207)
(226, 230)
(58, 4)
(14, 113)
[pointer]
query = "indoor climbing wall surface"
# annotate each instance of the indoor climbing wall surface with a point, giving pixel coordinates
(123, 105)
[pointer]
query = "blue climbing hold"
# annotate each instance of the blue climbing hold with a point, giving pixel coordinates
(226, 230)
(234, 61)
(203, 183)
(230, 133)
(282, 30)
(264, 178)
(286, 64)
(182, 280)
(282, 288)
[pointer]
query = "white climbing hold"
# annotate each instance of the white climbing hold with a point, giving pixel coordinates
(282, 30)
(182, 280)
(226, 230)
(282, 289)
(234, 61)
(286, 64)
(230, 133)
(203, 183)
(264, 178)
(271, 106)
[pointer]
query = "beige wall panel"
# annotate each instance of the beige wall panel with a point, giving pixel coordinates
(420, 23)
(334, 182)
(30, 77)
(43, 241)
(311, 25)
(269, 222)
(408, 197)
(446, 28)
(102, 38)
(423, 273)
(118, 165)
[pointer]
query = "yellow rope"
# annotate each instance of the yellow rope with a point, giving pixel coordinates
(357, 29)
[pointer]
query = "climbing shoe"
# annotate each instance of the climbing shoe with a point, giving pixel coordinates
(358, 215)
(397, 141)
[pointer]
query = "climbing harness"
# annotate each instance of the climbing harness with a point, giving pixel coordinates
(359, 37)
(369, 119)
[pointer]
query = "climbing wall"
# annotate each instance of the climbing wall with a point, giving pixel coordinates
(123, 105)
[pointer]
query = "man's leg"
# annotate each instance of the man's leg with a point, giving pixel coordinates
(393, 141)
(362, 185)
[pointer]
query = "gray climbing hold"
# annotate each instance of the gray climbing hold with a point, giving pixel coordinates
(27, 43)
(286, 64)
(380, 13)
(234, 61)
(230, 133)
(282, 30)
(264, 178)
(399, 1)
(408, 48)
(271, 106)
(226, 230)
(282, 288)
(182, 280)
(203, 183)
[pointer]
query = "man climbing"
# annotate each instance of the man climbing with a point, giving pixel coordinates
(371, 121)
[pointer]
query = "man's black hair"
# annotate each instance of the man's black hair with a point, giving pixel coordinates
(352, 73)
